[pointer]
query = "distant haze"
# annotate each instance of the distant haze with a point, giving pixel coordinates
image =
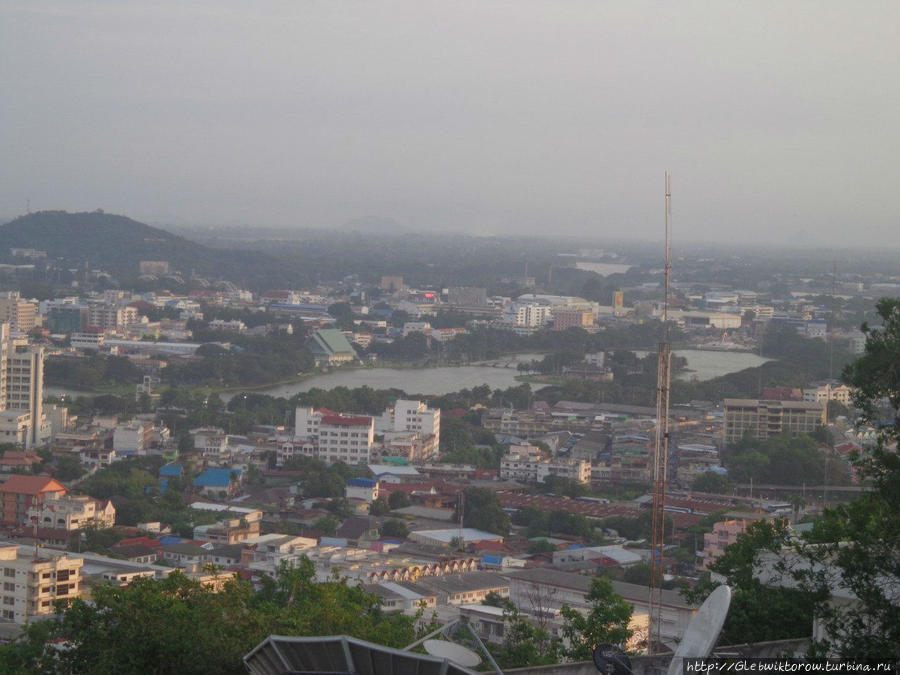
(778, 120)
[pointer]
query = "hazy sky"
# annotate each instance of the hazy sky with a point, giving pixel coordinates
(780, 121)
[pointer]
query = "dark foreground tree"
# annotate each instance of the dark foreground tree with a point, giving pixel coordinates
(607, 621)
(854, 555)
(178, 625)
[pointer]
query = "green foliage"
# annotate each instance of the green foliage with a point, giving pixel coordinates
(394, 528)
(90, 372)
(68, 468)
(542, 546)
(327, 524)
(525, 644)
(858, 544)
(483, 511)
(380, 507)
(758, 612)
(317, 479)
(398, 499)
(606, 621)
(783, 460)
(363, 400)
(710, 481)
(546, 523)
(250, 361)
(565, 486)
(176, 625)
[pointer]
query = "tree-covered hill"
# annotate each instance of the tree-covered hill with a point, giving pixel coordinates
(117, 244)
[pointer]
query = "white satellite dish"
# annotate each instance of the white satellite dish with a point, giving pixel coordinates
(452, 652)
(703, 631)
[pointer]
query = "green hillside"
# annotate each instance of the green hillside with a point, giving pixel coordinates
(117, 244)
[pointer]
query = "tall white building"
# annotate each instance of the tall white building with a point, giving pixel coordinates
(338, 438)
(22, 385)
(531, 314)
(411, 416)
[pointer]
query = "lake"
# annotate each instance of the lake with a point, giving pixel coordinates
(705, 365)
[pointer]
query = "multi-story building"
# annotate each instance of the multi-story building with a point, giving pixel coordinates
(413, 416)
(822, 392)
(73, 512)
(724, 533)
(110, 317)
(21, 389)
(530, 314)
(765, 419)
(338, 438)
(572, 318)
(133, 437)
(20, 314)
(19, 493)
(527, 463)
(33, 584)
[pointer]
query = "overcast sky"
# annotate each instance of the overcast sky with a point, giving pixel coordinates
(779, 121)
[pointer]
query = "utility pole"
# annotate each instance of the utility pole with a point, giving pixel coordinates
(661, 453)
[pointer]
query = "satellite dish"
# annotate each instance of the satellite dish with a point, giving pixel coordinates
(611, 660)
(703, 631)
(452, 652)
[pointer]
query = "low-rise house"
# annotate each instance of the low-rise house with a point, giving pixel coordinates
(73, 512)
(466, 589)
(219, 482)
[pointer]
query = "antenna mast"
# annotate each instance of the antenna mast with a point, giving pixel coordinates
(660, 453)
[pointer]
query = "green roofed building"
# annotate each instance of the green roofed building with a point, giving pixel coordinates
(329, 345)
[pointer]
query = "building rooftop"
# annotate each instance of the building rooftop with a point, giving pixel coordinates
(32, 485)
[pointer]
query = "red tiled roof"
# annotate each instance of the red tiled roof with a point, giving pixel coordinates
(32, 485)
(338, 421)
(144, 541)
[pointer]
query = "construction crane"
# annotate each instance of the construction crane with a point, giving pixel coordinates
(660, 453)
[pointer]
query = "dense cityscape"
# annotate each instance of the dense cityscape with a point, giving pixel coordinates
(167, 432)
(386, 338)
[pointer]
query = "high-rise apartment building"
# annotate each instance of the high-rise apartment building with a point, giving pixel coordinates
(18, 313)
(21, 387)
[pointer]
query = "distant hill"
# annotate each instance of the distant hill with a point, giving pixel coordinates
(117, 244)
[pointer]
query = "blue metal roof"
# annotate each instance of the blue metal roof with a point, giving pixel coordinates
(361, 482)
(215, 478)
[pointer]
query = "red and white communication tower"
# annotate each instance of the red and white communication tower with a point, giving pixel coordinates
(660, 453)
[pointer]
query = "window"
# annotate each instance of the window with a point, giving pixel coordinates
(9, 572)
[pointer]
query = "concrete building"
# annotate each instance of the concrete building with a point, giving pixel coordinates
(361, 488)
(73, 512)
(766, 419)
(530, 315)
(338, 438)
(21, 315)
(21, 390)
(528, 463)
(564, 319)
(133, 437)
(465, 589)
(822, 392)
(416, 417)
(723, 534)
(541, 591)
(19, 493)
(32, 585)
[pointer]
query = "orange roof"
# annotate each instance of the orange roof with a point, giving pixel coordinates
(32, 485)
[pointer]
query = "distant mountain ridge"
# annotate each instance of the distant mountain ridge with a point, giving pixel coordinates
(117, 244)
